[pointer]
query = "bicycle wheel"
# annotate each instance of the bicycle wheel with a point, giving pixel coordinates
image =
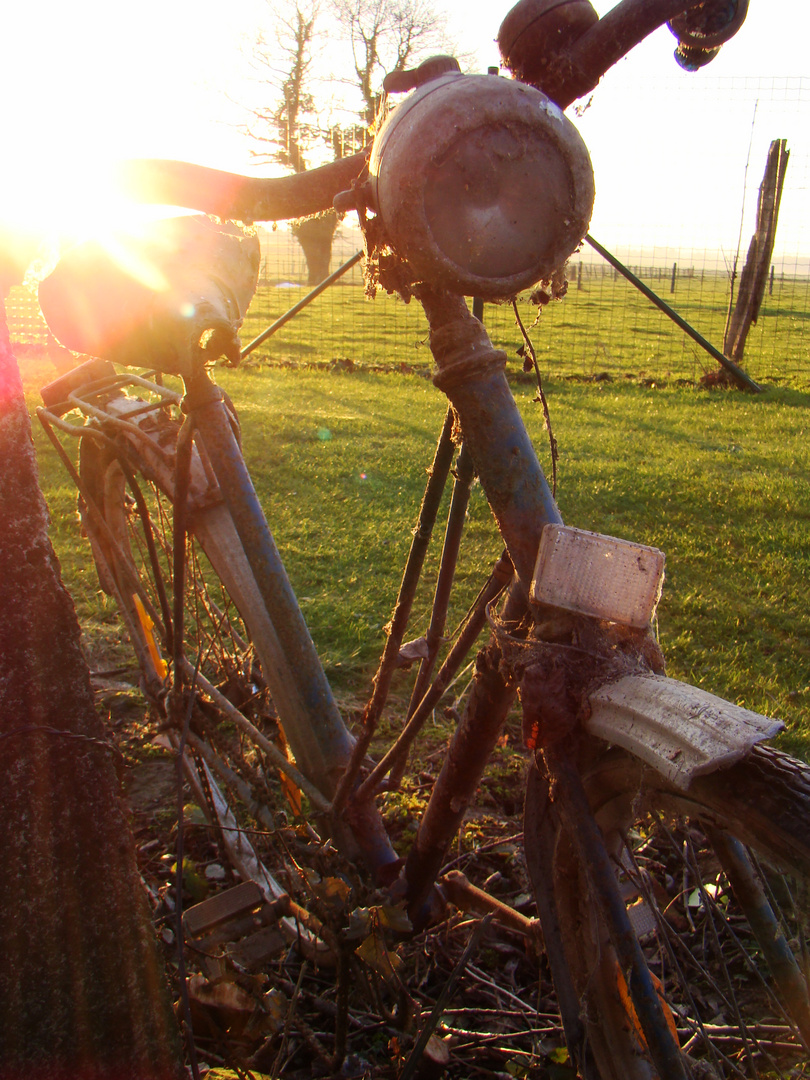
(707, 943)
(130, 531)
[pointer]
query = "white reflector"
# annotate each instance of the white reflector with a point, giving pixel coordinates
(598, 575)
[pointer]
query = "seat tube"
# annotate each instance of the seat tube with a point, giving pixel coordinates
(313, 725)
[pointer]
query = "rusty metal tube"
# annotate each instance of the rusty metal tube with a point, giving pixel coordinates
(323, 750)
(472, 374)
(467, 757)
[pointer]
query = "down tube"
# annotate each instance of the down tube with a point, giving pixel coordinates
(316, 731)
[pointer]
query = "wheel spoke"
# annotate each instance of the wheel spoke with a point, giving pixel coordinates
(713, 971)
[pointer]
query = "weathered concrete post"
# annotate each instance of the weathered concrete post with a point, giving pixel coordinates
(82, 993)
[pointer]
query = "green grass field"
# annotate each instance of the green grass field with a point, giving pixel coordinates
(718, 480)
(606, 326)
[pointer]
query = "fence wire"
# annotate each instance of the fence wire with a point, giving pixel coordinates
(676, 203)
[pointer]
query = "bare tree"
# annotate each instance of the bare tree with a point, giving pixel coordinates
(389, 35)
(289, 128)
(385, 35)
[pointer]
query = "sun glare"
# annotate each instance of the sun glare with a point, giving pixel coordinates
(76, 101)
(45, 212)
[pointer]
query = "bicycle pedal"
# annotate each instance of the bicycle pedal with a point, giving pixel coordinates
(639, 911)
(236, 926)
(642, 919)
(226, 905)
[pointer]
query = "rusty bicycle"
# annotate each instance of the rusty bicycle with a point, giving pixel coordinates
(473, 186)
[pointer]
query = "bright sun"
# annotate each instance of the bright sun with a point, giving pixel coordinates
(65, 205)
(87, 84)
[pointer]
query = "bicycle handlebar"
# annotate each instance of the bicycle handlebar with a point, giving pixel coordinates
(611, 38)
(575, 69)
(235, 197)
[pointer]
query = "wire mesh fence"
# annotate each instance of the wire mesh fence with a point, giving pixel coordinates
(685, 234)
(25, 323)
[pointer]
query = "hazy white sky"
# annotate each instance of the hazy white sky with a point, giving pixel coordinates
(88, 80)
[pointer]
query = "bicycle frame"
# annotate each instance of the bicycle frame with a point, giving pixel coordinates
(472, 372)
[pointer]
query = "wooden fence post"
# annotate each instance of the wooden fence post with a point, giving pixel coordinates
(755, 272)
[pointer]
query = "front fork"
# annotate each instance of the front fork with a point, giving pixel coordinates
(472, 374)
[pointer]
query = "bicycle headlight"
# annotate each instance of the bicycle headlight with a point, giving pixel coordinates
(481, 184)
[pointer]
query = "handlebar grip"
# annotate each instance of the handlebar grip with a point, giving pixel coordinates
(234, 197)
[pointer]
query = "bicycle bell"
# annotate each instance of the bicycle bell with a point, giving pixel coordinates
(480, 183)
(535, 35)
